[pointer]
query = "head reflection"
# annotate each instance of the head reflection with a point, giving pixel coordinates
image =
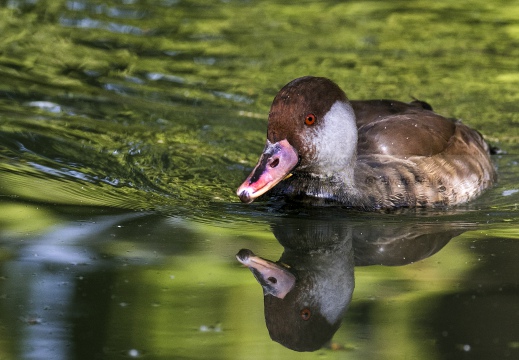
(307, 291)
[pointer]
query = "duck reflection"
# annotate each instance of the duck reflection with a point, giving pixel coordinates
(307, 291)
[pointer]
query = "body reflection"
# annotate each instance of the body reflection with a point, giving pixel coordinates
(307, 291)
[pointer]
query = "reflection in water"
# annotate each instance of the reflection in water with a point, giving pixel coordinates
(47, 282)
(483, 319)
(306, 315)
(307, 291)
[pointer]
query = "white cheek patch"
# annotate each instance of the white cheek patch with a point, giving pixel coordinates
(336, 140)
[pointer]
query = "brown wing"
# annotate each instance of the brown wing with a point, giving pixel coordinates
(367, 111)
(413, 132)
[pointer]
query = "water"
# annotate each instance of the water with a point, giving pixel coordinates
(126, 127)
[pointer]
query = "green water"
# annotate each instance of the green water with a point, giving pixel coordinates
(126, 126)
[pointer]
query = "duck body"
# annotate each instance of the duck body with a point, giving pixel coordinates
(375, 154)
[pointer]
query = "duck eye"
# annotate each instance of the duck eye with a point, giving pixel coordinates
(305, 314)
(310, 119)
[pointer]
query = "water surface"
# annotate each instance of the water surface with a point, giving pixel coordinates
(126, 126)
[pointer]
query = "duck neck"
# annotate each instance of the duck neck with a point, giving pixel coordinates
(336, 147)
(304, 186)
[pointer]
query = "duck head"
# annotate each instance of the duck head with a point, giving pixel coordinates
(311, 129)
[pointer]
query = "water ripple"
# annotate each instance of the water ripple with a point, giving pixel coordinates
(88, 23)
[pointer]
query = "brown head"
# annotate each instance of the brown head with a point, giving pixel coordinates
(311, 129)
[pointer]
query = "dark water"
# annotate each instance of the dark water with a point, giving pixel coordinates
(126, 126)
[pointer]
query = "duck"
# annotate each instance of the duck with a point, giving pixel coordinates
(324, 149)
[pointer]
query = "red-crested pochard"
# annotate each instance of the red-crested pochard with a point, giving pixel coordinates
(375, 154)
